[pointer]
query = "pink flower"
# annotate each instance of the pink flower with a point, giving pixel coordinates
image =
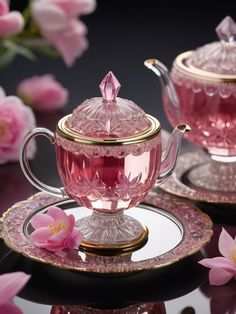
(43, 92)
(71, 42)
(11, 23)
(10, 285)
(58, 23)
(16, 120)
(222, 268)
(55, 230)
(76, 7)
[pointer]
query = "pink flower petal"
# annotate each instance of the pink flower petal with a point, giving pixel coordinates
(51, 246)
(76, 7)
(20, 120)
(41, 220)
(11, 284)
(219, 262)
(4, 7)
(219, 276)
(40, 235)
(71, 43)
(54, 97)
(43, 92)
(226, 244)
(58, 238)
(70, 224)
(57, 213)
(2, 93)
(11, 23)
(49, 16)
(9, 308)
(74, 240)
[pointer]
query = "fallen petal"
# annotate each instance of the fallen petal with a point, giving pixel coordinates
(226, 244)
(219, 276)
(219, 262)
(11, 284)
(10, 308)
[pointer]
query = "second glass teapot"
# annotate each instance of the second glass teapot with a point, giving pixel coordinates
(201, 91)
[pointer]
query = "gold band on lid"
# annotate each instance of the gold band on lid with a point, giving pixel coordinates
(63, 130)
(180, 65)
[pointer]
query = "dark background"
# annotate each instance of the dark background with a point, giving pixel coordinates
(122, 34)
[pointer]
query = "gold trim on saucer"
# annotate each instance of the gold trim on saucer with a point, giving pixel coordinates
(180, 65)
(117, 248)
(176, 185)
(64, 131)
(20, 213)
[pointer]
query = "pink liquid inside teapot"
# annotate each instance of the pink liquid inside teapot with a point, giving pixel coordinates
(109, 156)
(201, 91)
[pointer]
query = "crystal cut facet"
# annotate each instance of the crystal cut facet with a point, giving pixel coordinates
(108, 116)
(109, 87)
(220, 56)
(226, 30)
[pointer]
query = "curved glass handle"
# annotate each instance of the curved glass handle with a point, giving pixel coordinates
(25, 166)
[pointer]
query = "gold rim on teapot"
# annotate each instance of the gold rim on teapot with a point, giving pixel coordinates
(180, 64)
(66, 132)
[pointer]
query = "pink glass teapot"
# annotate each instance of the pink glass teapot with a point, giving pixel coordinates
(201, 91)
(108, 155)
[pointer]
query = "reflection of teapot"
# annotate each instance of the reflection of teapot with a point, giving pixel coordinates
(147, 308)
(109, 157)
(201, 91)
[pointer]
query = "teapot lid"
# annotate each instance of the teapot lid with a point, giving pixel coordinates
(218, 57)
(108, 116)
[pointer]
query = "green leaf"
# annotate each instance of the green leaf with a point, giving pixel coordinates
(6, 57)
(18, 49)
(26, 14)
(46, 50)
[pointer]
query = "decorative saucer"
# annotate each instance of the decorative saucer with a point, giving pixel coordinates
(176, 229)
(179, 185)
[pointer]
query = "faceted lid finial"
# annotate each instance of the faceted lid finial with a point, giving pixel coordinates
(109, 87)
(218, 57)
(108, 117)
(226, 30)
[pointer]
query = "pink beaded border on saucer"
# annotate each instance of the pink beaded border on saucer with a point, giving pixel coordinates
(196, 231)
(178, 185)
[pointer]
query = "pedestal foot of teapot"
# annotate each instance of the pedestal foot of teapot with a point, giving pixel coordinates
(111, 234)
(214, 176)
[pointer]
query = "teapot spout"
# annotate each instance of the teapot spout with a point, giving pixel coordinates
(171, 153)
(167, 86)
